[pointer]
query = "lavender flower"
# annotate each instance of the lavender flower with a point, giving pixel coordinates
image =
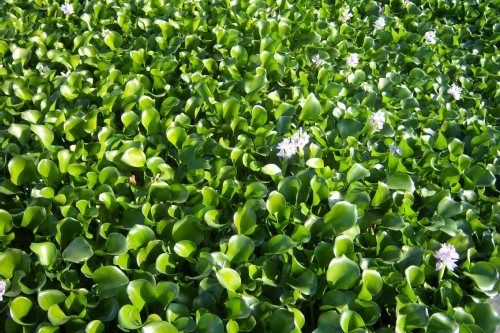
(346, 15)
(455, 91)
(377, 120)
(2, 289)
(43, 70)
(317, 61)
(430, 37)
(448, 257)
(379, 24)
(395, 150)
(287, 148)
(300, 139)
(352, 60)
(67, 9)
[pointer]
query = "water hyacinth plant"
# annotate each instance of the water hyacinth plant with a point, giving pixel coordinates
(249, 166)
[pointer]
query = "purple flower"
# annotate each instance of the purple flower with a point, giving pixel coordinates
(448, 257)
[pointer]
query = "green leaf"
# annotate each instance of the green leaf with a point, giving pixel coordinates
(47, 298)
(356, 172)
(341, 217)
(442, 323)
(279, 244)
(282, 321)
(166, 292)
(485, 316)
(342, 273)
(108, 278)
(159, 327)
(448, 207)
(139, 236)
(245, 221)
(343, 246)
(276, 202)
(240, 248)
(401, 181)
(187, 229)
(237, 308)
(311, 109)
(22, 170)
(77, 251)
(134, 157)
(140, 292)
(210, 323)
(350, 320)
(20, 309)
(372, 281)
(484, 274)
(47, 254)
(13, 260)
(229, 279)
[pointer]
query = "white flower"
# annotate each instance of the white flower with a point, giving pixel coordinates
(455, 91)
(43, 70)
(430, 37)
(395, 150)
(377, 121)
(316, 60)
(67, 9)
(346, 15)
(352, 60)
(104, 32)
(2, 289)
(439, 265)
(66, 74)
(300, 139)
(448, 256)
(287, 148)
(475, 51)
(381, 10)
(379, 24)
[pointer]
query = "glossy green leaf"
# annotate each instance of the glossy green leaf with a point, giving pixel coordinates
(77, 251)
(311, 109)
(22, 170)
(229, 279)
(342, 273)
(342, 216)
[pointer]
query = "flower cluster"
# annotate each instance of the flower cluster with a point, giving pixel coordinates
(352, 60)
(317, 61)
(430, 37)
(377, 121)
(346, 15)
(67, 9)
(43, 70)
(448, 257)
(395, 150)
(289, 146)
(455, 91)
(379, 24)
(2, 289)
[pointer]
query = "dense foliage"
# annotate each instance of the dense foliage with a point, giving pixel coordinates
(249, 166)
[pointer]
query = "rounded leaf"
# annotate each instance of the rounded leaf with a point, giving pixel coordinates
(275, 202)
(279, 244)
(210, 323)
(350, 320)
(134, 157)
(229, 279)
(342, 216)
(22, 169)
(342, 273)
